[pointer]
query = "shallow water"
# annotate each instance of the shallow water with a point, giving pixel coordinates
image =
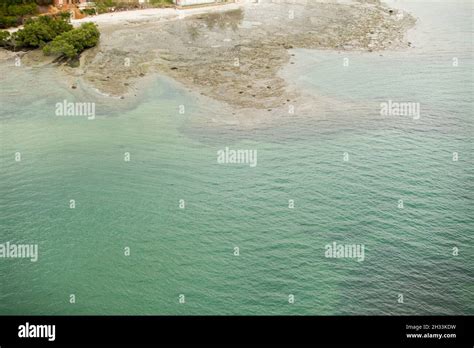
(173, 156)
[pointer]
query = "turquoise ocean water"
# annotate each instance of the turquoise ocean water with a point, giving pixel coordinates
(190, 251)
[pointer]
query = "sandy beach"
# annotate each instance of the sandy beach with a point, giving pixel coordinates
(154, 14)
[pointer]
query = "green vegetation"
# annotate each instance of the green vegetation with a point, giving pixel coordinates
(37, 32)
(13, 12)
(4, 38)
(71, 43)
(89, 11)
(161, 2)
(55, 35)
(105, 5)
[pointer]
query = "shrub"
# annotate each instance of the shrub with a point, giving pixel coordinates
(22, 10)
(70, 44)
(13, 12)
(103, 5)
(44, 2)
(160, 3)
(37, 32)
(9, 21)
(4, 38)
(89, 11)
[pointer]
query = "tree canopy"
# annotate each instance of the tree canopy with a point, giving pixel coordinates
(55, 35)
(71, 43)
(39, 31)
(12, 12)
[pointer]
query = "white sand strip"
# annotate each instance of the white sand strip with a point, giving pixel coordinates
(153, 14)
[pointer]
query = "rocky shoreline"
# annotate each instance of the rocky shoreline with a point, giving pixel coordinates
(234, 56)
